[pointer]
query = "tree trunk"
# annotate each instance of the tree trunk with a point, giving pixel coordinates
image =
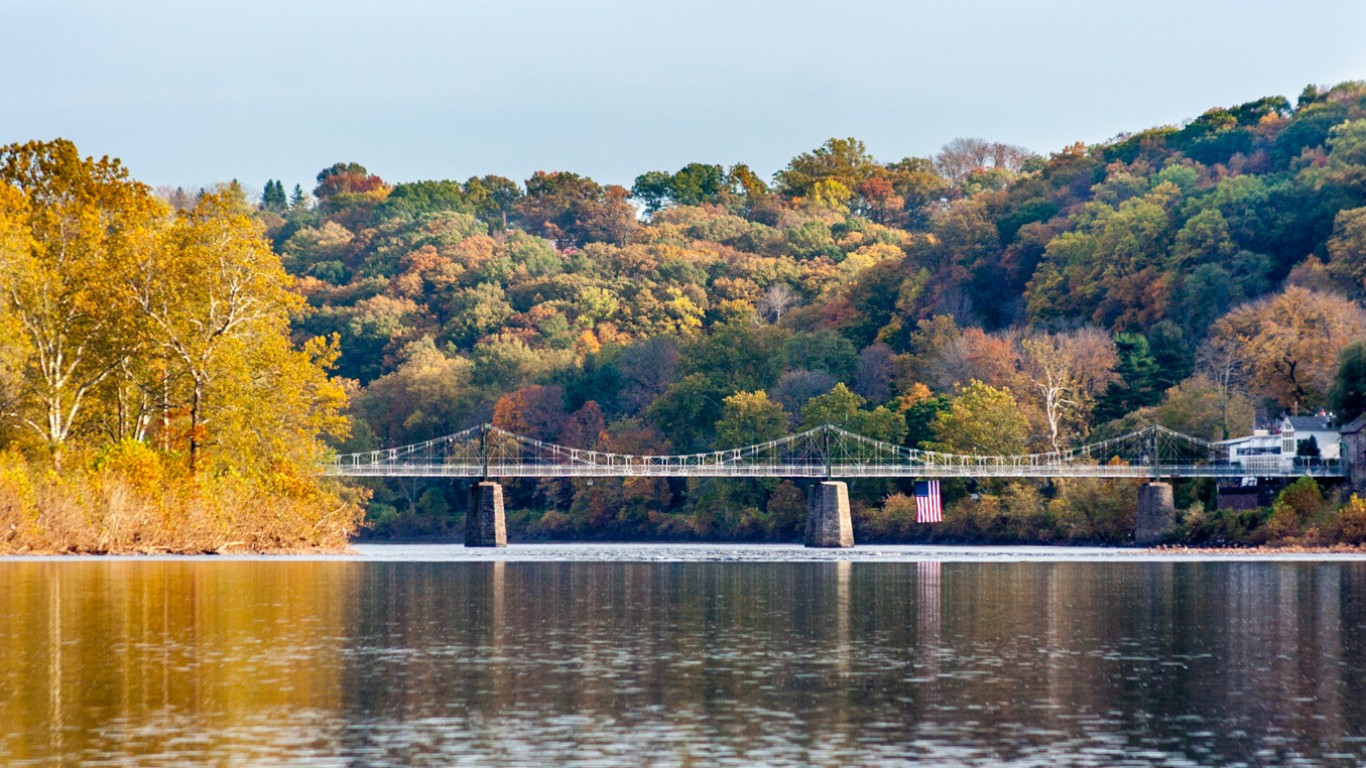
(196, 403)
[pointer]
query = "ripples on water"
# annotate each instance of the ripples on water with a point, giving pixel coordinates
(566, 657)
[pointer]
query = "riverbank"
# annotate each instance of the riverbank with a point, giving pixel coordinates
(656, 552)
(134, 501)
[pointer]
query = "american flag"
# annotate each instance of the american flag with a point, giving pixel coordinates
(928, 508)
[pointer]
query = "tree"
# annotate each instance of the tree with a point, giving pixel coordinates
(1134, 384)
(1290, 343)
(1347, 249)
(981, 420)
(299, 200)
(476, 312)
(776, 300)
(534, 411)
(273, 198)
(748, 418)
(960, 157)
(1202, 407)
(214, 290)
(693, 184)
(688, 410)
(494, 199)
(844, 161)
(875, 372)
(413, 198)
(426, 394)
(1347, 397)
(796, 387)
(1067, 371)
(844, 409)
(972, 354)
(346, 178)
(69, 229)
(823, 350)
(574, 210)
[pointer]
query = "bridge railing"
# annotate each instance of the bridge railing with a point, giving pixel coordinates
(825, 451)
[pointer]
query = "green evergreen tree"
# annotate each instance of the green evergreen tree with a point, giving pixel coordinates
(273, 198)
(1138, 375)
(1348, 395)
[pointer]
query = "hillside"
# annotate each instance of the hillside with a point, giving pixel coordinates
(986, 299)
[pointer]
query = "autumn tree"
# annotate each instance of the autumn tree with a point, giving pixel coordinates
(1290, 343)
(748, 418)
(427, 394)
(535, 411)
(981, 420)
(1347, 249)
(212, 292)
(346, 178)
(960, 157)
(574, 210)
(1201, 406)
(69, 230)
(844, 162)
(844, 409)
(970, 355)
(1067, 371)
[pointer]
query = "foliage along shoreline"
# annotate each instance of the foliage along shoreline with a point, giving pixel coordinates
(1208, 277)
(150, 395)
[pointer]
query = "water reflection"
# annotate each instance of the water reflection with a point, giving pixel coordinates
(682, 663)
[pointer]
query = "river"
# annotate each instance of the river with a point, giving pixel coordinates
(682, 655)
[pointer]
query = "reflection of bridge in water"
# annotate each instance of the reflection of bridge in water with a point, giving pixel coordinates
(827, 452)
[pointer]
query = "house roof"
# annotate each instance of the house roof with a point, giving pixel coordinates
(1310, 423)
(1269, 439)
(1354, 426)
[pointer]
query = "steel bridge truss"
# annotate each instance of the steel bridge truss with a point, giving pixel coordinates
(485, 451)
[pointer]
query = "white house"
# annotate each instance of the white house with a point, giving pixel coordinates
(1275, 451)
(1257, 452)
(1297, 429)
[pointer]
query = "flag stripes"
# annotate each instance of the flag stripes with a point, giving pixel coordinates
(928, 506)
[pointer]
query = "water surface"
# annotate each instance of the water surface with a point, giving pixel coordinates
(684, 656)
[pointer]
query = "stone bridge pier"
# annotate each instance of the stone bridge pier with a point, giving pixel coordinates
(485, 524)
(1156, 513)
(828, 523)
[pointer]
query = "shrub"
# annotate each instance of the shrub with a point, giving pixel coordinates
(1352, 518)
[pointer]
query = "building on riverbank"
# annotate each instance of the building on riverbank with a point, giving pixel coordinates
(1289, 444)
(1353, 437)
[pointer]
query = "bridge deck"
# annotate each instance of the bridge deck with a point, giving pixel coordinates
(825, 451)
(569, 471)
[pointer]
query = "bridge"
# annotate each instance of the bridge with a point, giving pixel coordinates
(827, 452)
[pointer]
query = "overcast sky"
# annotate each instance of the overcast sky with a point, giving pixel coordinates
(189, 93)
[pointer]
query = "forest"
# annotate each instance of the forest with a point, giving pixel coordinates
(1208, 277)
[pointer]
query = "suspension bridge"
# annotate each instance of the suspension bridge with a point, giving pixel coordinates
(488, 454)
(827, 451)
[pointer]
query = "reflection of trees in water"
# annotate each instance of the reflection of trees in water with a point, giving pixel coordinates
(90, 653)
(808, 662)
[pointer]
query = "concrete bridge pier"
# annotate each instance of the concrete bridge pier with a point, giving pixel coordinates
(828, 523)
(1156, 513)
(485, 524)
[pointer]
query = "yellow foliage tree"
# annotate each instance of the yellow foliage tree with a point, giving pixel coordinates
(68, 229)
(1290, 342)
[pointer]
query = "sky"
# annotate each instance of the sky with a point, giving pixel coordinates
(193, 93)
